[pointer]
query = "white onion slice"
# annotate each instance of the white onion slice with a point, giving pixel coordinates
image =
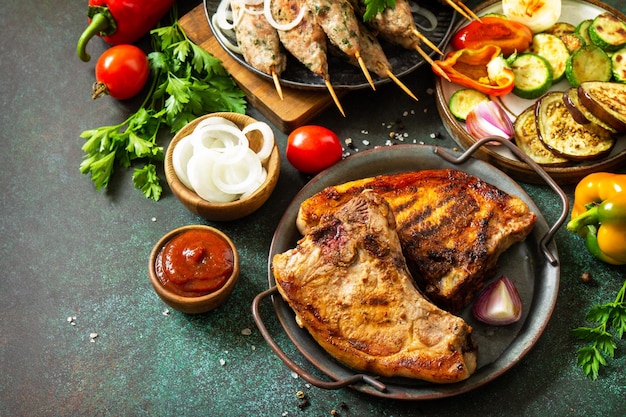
(199, 171)
(219, 135)
(430, 16)
(225, 40)
(181, 154)
(268, 139)
(259, 182)
(237, 176)
(284, 26)
(224, 18)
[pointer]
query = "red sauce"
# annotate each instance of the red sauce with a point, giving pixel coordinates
(194, 263)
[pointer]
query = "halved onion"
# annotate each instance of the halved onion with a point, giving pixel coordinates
(499, 303)
(488, 118)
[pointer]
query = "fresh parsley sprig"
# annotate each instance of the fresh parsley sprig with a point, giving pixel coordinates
(610, 320)
(187, 82)
(373, 7)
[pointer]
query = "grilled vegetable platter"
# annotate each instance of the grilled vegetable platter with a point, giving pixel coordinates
(500, 348)
(539, 99)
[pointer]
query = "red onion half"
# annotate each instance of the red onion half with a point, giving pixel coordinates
(488, 118)
(499, 303)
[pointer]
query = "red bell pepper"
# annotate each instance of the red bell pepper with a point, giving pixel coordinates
(121, 21)
(509, 35)
(482, 69)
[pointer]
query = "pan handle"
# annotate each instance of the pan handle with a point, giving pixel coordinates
(538, 169)
(354, 379)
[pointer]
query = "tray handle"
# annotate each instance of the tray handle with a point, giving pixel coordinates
(354, 379)
(547, 238)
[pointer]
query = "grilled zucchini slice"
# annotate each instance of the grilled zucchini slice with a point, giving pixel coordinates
(533, 75)
(582, 30)
(527, 140)
(589, 63)
(553, 49)
(618, 64)
(608, 32)
(561, 134)
(464, 100)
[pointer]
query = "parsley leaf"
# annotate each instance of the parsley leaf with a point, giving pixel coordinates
(187, 82)
(610, 320)
(373, 7)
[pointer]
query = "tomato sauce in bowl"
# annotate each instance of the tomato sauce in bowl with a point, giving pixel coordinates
(194, 268)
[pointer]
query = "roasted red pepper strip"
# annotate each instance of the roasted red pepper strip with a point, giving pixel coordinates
(510, 36)
(121, 21)
(482, 69)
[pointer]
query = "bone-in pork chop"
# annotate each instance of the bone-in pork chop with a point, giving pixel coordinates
(453, 226)
(348, 283)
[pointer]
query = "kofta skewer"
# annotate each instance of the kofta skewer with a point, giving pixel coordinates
(258, 40)
(376, 60)
(306, 41)
(396, 25)
(341, 26)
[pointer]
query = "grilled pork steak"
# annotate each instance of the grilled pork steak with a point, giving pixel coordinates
(349, 285)
(452, 226)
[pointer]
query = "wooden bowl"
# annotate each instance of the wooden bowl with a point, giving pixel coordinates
(223, 211)
(193, 304)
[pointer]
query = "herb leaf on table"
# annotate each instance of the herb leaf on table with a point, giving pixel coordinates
(610, 321)
(187, 82)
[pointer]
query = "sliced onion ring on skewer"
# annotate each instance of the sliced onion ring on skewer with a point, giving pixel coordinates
(430, 16)
(282, 26)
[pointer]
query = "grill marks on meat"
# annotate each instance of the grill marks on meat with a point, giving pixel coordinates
(348, 283)
(453, 227)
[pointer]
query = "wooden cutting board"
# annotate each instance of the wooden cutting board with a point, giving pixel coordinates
(297, 106)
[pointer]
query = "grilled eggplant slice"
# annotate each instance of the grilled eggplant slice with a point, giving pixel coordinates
(580, 112)
(527, 140)
(560, 133)
(607, 101)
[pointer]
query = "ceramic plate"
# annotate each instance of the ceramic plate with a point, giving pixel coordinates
(344, 75)
(500, 348)
(573, 11)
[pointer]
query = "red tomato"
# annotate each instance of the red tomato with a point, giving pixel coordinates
(121, 72)
(311, 149)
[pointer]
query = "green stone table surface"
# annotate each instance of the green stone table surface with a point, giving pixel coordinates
(68, 251)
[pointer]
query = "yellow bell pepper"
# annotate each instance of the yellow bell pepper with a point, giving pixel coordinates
(599, 215)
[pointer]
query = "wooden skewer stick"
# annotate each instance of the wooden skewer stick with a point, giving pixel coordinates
(458, 9)
(427, 41)
(468, 10)
(331, 90)
(401, 85)
(431, 62)
(365, 70)
(279, 88)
